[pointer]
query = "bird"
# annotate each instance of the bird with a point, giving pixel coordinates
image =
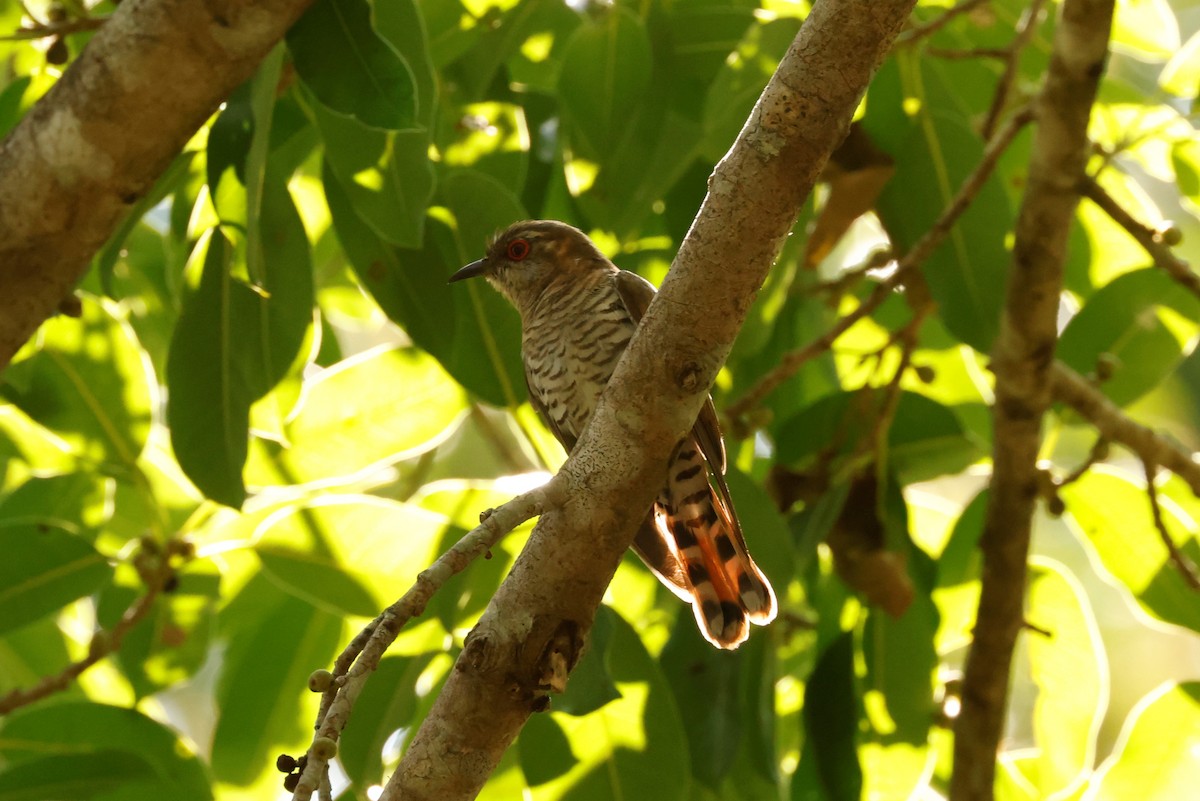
(578, 313)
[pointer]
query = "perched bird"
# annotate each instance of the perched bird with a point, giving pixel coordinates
(578, 313)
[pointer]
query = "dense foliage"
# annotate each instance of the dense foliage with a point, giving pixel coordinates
(269, 412)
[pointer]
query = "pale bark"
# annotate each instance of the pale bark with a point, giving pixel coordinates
(1024, 354)
(538, 620)
(97, 141)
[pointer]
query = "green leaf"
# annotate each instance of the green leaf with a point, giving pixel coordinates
(388, 702)
(1112, 514)
(105, 773)
(706, 684)
(1181, 76)
(605, 72)
(628, 748)
(44, 569)
(401, 24)
(348, 554)
(125, 754)
(88, 381)
(265, 706)
(734, 90)
(591, 684)
(487, 334)
(372, 410)
(78, 502)
(1157, 757)
(925, 439)
(10, 103)
(350, 68)
(831, 713)
(766, 532)
(32, 652)
(1146, 29)
(233, 343)
(901, 663)
(1143, 319)
(934, 150)
(385, 175)
(172, 643)
(1070, 670)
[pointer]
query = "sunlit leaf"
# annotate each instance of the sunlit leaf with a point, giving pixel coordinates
(626, 749)
(88, 381)
(1070, 669)
(78, 749)
(1146, 29)
(44, 569)
(385, 175)
(348, 554)
(1112, 514)
(1141, 323)
(1157, 757)
(1181, 76)
(387, 703)
(375, 409)
(265, 704)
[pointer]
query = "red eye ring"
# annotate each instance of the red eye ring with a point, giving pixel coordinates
(517, 249)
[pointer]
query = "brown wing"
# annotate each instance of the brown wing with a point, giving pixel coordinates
(567, 440)
(637, 293)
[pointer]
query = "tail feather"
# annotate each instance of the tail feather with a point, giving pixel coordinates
(728, 591)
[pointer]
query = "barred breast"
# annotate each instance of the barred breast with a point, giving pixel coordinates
(571, 343)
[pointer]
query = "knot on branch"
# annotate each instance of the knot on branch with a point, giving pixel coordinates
(688, 377)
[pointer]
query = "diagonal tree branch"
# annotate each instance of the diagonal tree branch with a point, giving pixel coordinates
(1149, 238)
(97, 141)
(1023, 356)
(535, 626)
(1074, 390)
(361, 657)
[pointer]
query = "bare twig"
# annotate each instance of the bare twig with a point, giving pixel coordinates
(1149, 238)
(937, 23)
(1098, 453)
(103, 643)
(1025, 31)
(1022, 360)
(917, 254)
(1003, 53)
(362, 656)
(1178, 558)
(1090, 403)
(49, 29)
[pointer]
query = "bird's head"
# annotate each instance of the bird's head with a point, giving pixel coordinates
(529, 256)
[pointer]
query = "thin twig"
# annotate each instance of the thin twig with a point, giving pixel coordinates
(1149, 238)
(1025, 30)
(1090, 403)
(49, 29)
(924, 247)
(1182, 563)
(360, 659)
(1098, 453)
(937, 23)
(103, 643)
(1003, 53)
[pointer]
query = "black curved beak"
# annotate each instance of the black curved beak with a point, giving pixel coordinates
(470, 271)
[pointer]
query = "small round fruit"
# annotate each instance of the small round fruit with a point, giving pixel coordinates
(320, 681)
(324, 748)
